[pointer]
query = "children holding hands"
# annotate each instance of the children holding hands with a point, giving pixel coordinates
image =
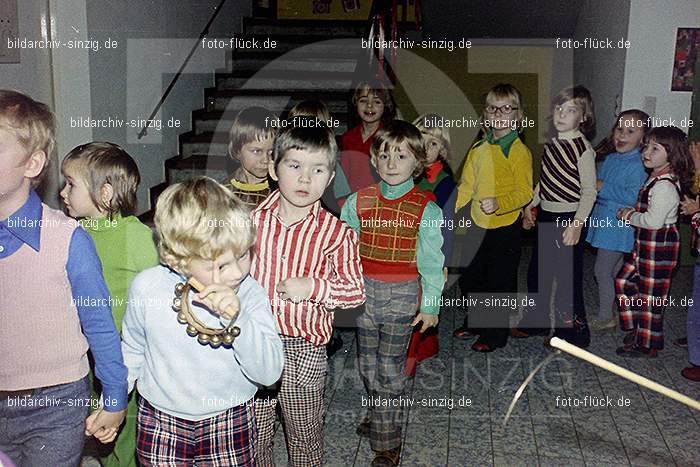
(101, 184)
(400, 247)
(197, 394)
(51, 277)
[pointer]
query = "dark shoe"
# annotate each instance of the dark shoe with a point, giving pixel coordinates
(692, 373)
(629, 338)
(636, 352)
(463, 333)
(388, 458)
(575, 332)
(483, 347)
(363, 428)
(603, 325)
(682, 342)
(519, 334)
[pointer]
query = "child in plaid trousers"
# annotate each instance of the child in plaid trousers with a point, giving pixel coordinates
(643, 283)
(400, 248)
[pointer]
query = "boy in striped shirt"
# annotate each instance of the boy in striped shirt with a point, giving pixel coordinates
(308, 261)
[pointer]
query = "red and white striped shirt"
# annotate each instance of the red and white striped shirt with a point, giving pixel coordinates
(320, 247)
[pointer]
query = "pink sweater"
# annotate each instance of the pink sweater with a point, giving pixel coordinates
(41, 342)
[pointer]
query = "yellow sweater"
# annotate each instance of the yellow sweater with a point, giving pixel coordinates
(489, 173)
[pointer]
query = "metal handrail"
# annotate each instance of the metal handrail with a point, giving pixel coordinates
(202, 35)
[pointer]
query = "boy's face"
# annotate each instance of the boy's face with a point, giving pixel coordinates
(567, 116)
(17, 169)
(76, 194)
(255, 157)
(228, 269)
(396, 163)
(502, 115)
(303, 176)
(433, 146)
(370, 107)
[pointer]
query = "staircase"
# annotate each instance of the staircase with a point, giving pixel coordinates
(311, 60)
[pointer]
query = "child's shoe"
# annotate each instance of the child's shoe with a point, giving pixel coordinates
(603, 325)
(575, 332)
(692, 373)
(388, 458)
(364, 427)
(636, 351)
(463, 333)
(681, 342)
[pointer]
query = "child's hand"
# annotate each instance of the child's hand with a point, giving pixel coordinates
(598, 185)
(694, 149)
(445, 273)
(572, 234)
(624, 213)
(489, 205)
(528, 218)
(690, 206)
(427, 319)
(295, 289)
(220, 299)
(104, 425)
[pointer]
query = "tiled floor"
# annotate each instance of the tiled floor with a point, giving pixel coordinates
(649, 430)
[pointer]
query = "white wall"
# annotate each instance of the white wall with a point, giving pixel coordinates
(154, 37)
(602, 70)
(649, 63)
(33, 74)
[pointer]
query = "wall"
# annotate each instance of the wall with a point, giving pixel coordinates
(33, 74)
(602, 71)
(649, 62)
(153, 37)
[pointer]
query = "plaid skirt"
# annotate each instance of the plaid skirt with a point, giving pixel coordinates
(224, 440)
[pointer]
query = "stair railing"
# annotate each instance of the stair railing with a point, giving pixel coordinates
(202, 35)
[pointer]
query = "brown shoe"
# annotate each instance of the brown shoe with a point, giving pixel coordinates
(364, 427)
(692, 373)
(388, 458)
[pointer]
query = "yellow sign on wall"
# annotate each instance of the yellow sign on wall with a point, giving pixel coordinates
(332, 9)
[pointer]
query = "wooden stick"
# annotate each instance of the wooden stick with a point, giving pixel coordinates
(231, 310)
(623, 372)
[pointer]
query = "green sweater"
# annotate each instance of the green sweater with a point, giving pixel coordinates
(126, 248)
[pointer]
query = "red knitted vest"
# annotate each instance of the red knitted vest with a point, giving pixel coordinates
(389, 233)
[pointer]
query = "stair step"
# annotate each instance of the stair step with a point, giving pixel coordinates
(331, 28)
(294, 63)
(218, 168)
(220, 122)
(248, 58)
(279, 79)
(310, 45)
(276, 100)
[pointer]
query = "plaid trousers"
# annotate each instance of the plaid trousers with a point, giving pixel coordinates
(300, 396)
(383, 334)
(643, 283)
(223, 440)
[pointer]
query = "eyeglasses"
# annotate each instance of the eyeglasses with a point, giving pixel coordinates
(504, 109)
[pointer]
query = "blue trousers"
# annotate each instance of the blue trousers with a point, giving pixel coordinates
(46, 428)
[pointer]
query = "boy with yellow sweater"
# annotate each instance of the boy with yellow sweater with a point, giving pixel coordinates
(497, 181)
